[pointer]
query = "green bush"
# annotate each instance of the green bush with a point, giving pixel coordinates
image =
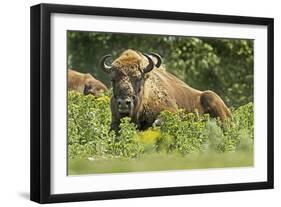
(183, 133)
(89, 134)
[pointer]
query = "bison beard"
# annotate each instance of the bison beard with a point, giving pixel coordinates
(142, 88)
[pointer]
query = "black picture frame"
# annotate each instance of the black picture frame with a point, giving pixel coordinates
(41, 99)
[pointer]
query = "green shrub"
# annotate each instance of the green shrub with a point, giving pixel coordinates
(126, 144)
(183, 133)
(88, 125)
(89, 134)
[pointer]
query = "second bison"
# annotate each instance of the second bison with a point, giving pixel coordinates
(84, 83)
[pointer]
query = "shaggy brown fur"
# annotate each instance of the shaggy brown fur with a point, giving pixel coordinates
(84, 83)
(156, 91)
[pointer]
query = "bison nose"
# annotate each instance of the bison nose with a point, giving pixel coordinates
(124, 103)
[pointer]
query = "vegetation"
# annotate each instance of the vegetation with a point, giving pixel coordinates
(222, 65)
(160, 161)
(181, 135)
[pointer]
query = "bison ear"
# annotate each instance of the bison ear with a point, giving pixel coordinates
(158, 58)
(103, 65)
(150, 65)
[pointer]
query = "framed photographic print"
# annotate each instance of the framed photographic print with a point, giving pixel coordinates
(132, 103)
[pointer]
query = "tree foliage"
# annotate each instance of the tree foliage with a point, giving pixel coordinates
(222, 65)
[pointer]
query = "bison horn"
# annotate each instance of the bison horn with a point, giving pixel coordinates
(105, 67)
(150, 64)
(158, 57)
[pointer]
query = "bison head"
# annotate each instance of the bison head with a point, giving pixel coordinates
(128, 75)
(90, 88)
(93, 86)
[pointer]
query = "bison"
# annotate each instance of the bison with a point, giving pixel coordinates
(142, 88)
(84, 83)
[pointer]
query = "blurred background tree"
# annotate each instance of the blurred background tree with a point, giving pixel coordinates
(222, 65)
